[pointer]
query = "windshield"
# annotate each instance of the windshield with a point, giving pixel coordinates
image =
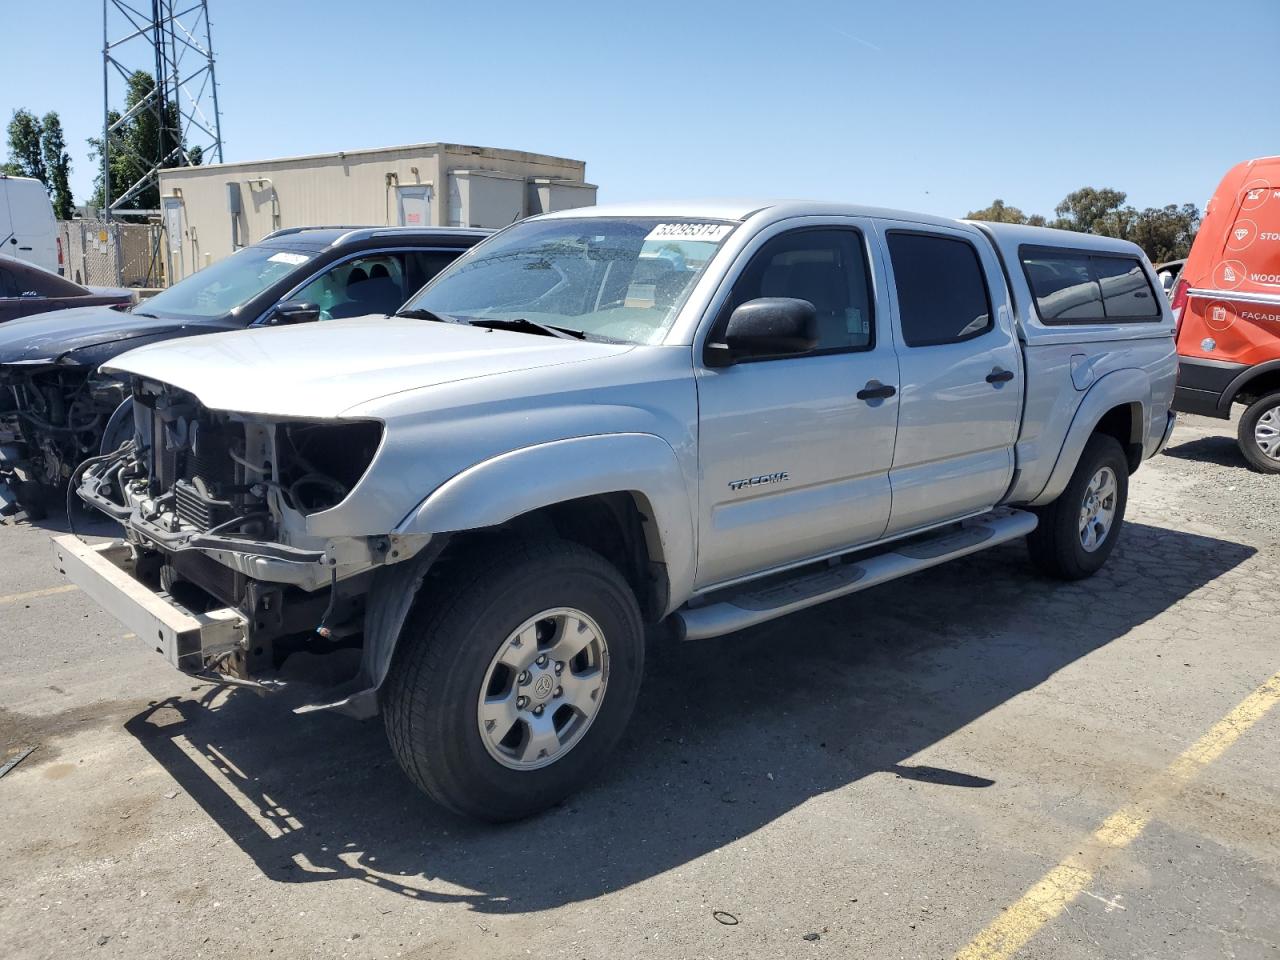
(615, 278)
(226, 285)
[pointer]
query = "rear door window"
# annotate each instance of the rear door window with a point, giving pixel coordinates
(1071, 286)
(942, 290)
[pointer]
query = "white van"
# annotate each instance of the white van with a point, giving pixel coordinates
(28, 230)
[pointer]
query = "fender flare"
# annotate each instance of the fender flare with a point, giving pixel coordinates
(512, 484)
(504, 487)
(1242, 380)
(1127, 387)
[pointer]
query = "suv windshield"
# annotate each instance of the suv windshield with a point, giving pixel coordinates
(615, 278)
(222, 287)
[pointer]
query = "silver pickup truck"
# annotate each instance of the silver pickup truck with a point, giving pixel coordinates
(705, 416)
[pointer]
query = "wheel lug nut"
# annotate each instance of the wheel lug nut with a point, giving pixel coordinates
(542, 660)
(537, 711)
(524, 676)
(559, 691)
(522, 702)
(559, 667)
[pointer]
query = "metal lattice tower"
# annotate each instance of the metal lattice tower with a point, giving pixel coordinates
(170, 40)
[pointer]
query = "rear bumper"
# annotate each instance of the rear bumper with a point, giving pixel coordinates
(1202, 386)
(187, 640)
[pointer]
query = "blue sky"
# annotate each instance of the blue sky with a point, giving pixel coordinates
(931, 106)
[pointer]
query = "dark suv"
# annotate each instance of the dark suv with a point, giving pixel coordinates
(56, 409)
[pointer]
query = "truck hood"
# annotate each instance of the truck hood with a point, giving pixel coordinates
(95, 332)
(322, 369)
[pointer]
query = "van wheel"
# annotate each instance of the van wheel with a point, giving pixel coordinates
(1259, 433)
(1078, 531)
(509, 690)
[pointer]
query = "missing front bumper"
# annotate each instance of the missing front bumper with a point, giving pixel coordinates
(188, 640)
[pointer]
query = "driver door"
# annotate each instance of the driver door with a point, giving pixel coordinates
(794, 464)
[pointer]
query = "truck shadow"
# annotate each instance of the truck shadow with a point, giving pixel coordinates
(1222, 451)
(729, 734)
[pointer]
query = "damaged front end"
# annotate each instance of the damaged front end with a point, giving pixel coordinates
(52, 416)
(215, 507)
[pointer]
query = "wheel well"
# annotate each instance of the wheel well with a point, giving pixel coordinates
(1264, 383)
(618, 526)
(1125, 424)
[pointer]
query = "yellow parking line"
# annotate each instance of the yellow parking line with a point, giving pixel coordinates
(33, 594)
(1054, 892)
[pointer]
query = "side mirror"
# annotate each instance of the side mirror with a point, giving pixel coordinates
(766, 327)
(295, 311)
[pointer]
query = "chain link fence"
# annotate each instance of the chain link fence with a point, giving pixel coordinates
(105, 253)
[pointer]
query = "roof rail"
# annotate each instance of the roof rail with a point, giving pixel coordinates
(287, 231)
(367, 233)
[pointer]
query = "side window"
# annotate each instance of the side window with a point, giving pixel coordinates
(827, 267)
(1075, 287)
(942, 290)
(421, 267)
(1126, 291)
(373, 284)
(1063, 285)
(8, 284)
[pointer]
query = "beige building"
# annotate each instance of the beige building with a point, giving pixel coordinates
(210, 212)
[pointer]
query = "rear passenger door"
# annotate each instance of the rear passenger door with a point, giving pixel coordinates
(961, 377)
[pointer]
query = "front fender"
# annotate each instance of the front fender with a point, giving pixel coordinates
(521, 481)
(1128, 387)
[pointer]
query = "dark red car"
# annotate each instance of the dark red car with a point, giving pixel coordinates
(26, 289)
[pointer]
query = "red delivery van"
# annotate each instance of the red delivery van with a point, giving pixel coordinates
(1227, 304)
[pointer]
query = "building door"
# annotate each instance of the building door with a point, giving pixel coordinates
(414, 204)
(174, 228)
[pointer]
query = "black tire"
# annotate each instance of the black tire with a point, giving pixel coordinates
(1247, 437)
(33, 499)
(119, 428)
(430, 697)
(1055, 545)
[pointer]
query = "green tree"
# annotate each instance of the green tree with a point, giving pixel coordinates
(38, 149)
(25, 157)
(999, 212)
(1090, 210)
(1166, 233)
(138, 143)
(53, 150)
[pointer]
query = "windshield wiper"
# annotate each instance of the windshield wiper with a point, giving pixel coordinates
(139, 313)
(530, 326)
(421, 313)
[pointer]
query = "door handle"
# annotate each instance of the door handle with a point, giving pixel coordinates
(999, 376)
(875, 390)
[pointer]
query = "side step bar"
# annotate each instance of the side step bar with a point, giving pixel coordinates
(737, 608)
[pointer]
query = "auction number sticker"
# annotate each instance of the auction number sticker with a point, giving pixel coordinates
(293, 259)
(709, 232)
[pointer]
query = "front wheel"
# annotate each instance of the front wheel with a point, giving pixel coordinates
(1259, 433)
(1078, 531)
(514, 677)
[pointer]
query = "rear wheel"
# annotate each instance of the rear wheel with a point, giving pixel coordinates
(514, 678)
(1078, 531)
(1259, 433)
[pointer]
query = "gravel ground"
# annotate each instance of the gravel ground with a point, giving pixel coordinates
(880, 777)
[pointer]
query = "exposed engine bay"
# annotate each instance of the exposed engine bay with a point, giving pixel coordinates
(215, 508)
(52, 417)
